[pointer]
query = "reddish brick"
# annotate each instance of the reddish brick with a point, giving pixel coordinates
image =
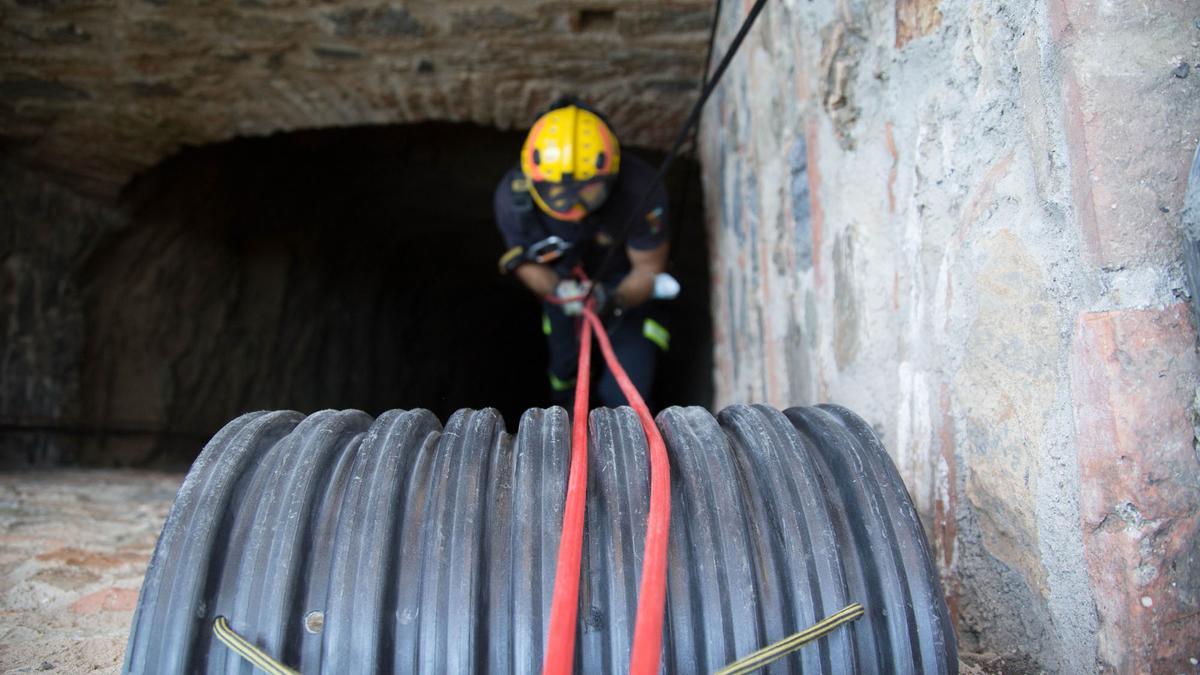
(1128, 164)
(1133, 379)
(99, 560)
(108, 600)
(1081, 184)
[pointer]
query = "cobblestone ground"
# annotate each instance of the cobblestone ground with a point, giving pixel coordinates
(73, 548)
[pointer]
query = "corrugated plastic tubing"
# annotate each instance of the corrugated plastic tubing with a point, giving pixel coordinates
(433, 550)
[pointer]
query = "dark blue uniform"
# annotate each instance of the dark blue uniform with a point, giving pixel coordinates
(638, 334)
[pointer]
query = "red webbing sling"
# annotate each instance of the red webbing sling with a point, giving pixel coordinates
(564, 605)
(647, 632)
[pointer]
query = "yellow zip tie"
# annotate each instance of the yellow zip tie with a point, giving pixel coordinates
(771, 653)
(248, 651)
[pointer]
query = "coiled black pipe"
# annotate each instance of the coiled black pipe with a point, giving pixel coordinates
(432, 550)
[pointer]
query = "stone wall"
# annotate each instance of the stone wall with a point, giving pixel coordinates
(47, 235)
(960, 219)
(97, 90)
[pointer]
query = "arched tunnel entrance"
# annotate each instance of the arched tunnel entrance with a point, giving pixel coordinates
(343, 268)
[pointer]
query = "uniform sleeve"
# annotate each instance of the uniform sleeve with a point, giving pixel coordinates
(651, 227)
(508, 218)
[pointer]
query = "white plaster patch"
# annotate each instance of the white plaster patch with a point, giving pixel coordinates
(1141, 288)
(913, 435)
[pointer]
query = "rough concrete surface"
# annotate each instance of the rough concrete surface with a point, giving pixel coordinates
(73, 548)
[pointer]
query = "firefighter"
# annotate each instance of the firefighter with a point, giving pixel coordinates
(560, 211)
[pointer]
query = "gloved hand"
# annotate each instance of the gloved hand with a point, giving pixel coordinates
(606, 302)
(570, 294)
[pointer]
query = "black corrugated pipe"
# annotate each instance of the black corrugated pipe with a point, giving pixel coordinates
(342, 544)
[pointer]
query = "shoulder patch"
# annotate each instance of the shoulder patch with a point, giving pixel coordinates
(654, 220)
(522, 201)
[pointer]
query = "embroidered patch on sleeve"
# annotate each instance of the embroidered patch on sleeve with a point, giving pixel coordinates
(654, 220)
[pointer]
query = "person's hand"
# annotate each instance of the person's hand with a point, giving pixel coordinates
(605, 300)
(570, 293)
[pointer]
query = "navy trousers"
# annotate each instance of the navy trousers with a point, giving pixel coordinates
(637, 337)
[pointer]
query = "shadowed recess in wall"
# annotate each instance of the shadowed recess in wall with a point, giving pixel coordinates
(350, 268)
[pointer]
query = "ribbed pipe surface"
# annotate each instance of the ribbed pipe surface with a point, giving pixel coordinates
(432, 550)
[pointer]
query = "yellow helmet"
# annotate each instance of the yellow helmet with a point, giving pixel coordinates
(570, 159)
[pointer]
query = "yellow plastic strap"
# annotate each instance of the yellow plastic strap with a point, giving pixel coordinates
(257, 657)
(510, 255)
(546, 324)
(559, 384)
(768, 655)
(656, 333)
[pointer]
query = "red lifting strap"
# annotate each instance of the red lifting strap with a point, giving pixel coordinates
(647, 633)
(564, 605)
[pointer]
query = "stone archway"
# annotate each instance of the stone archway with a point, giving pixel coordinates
(345, 268)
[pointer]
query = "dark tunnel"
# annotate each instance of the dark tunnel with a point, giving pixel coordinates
(343, 268)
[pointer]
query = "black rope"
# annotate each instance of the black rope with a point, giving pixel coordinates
(685, 193)
(708, 65)
(708, 54)
(682, 136)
